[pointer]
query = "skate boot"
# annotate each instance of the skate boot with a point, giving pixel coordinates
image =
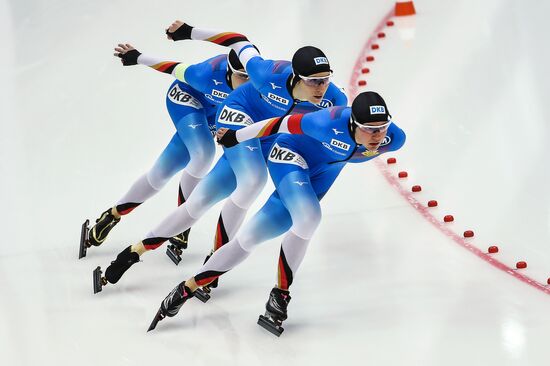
(275, 311)
(177, 245)
(101, 229)
(114, 272)
(212, 284)
(172, 303)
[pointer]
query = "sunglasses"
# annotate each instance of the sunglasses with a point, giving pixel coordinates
(316, 80)
(372, 129)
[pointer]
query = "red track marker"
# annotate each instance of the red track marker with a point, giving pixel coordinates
(448, 218)
(521, 265)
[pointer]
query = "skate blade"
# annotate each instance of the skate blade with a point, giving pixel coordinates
(201, 295)
(171, 253)
(156, 320)
(270, 326)
(84, 231)
(98, 284)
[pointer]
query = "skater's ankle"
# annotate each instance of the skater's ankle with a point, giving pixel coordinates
(115, 213)
(285, 290)
(138, 248)
(191, 284)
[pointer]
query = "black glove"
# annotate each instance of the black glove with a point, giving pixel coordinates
(183, 32)
(229, 139)
(129, 58)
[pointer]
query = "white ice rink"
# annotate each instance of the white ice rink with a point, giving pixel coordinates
(467, 80)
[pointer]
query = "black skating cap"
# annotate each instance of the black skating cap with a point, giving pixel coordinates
(234, 61)
(369, 107)
(309, 60)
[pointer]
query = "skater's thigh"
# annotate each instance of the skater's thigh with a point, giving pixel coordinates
(295, 190)
(173, 158)
(247, 162)
(193, 130)
(219, 183)
(323, 178)
(272, 220)
(297, 195)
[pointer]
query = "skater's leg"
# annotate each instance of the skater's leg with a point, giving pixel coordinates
(171, 160)
(294, 246)
(269, 222)
(303, 206)
(194, 132)
(217, 184)
(249, 167)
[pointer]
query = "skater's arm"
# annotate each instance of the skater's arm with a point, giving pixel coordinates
(238, 42)
(130, 56)
(288, 124)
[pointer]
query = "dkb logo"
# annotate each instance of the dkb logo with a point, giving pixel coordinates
(234, 117)
(377, 109)
(281, 155)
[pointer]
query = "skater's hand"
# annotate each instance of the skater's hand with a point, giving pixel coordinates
(226, 137)
(127, 53)
(178, 30)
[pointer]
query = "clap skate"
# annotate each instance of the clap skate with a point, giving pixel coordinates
(177, 245)
(276, 311)
(116, 269)
(98, 233)
(172, 303)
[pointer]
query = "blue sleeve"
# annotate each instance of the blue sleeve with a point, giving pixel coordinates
(398, 138)
(315, 124)
(340, 98)
(199, 76)
(259, 71)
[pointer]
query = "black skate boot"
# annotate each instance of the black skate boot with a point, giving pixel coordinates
(212, 284)
(177, 245)
(172, 303)
(114, 272)
(101, 229)
(275, 311)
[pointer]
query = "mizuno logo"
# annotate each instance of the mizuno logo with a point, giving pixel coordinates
(336, 132)
(251, 148)
(195, 126)
(275, 86)
(216, 82)
(299, 183)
